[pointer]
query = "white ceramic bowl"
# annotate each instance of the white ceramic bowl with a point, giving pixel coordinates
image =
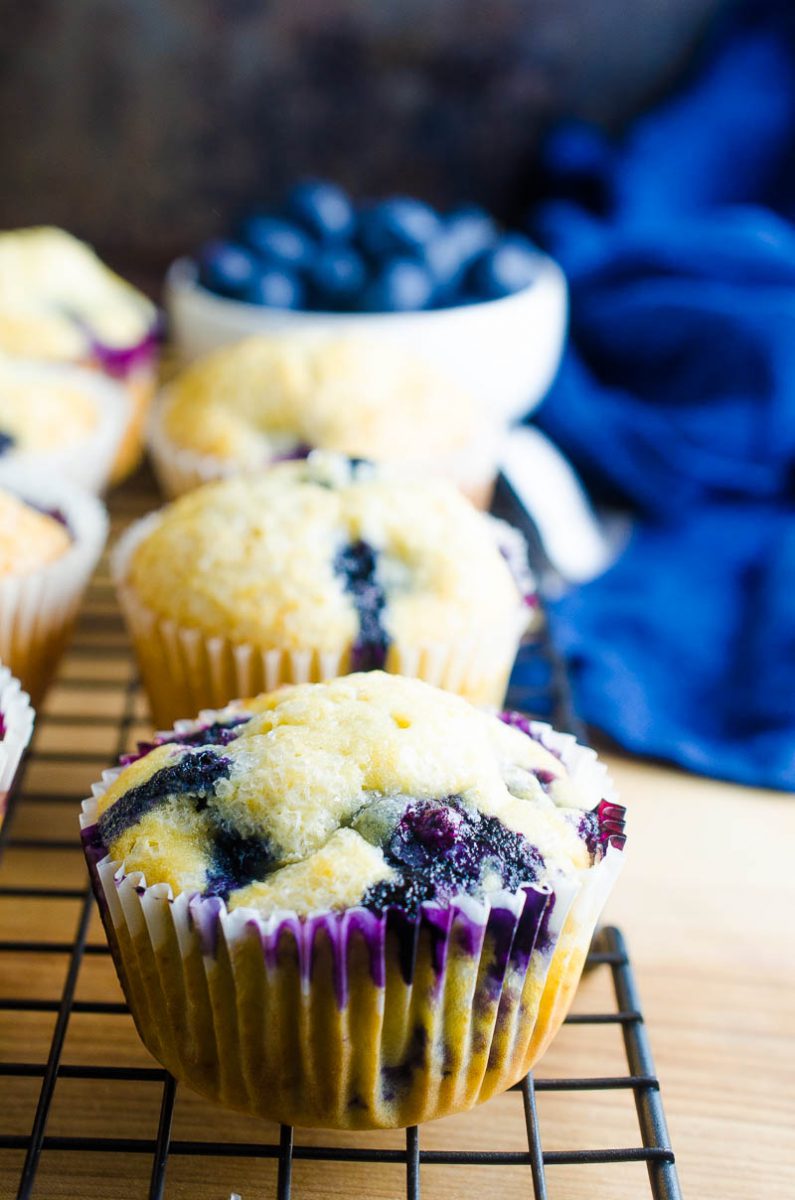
(505, 351)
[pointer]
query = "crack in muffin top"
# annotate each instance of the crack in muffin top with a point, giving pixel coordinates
(264, 396)
(370, 790)
(324, 553)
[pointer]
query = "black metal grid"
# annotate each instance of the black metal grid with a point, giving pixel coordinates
(543, 689)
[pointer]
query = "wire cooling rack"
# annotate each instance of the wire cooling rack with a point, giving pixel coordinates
(85, 1112)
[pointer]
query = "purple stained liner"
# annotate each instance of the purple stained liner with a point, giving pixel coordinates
(608, 817)
(219, 733)
(93, 846)
(519, 721)
(612, 824)
(450, 929)
(510, 937)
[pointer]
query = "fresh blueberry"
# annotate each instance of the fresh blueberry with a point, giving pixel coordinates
(280, 243)
(6, 443)
(446, 264)
(466, 234)
(396, 227)
(323, 209)
(275, 287)
(337, 277)
(473, 228)
(226, 268)
(509, 267)
(400, 286)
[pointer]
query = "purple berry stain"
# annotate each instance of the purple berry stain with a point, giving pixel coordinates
(441, 848)
(195, 775)
(219, 733)
(234, 860)
(237, 861)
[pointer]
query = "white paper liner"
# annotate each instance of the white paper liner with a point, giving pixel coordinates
(88, 462)
(37, 610)
(250, 1010)
(18, 717)
(180, 470)
(139, 385)
(184, 670)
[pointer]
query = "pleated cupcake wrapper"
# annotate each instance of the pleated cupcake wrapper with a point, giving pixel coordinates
(184, 670)
(135, 370)
(37, 610)
(17, 727)
(179, 470)
(140, 385)
(349, 1019)
(87, 463)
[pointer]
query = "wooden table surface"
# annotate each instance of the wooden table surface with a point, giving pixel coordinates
(705, 902)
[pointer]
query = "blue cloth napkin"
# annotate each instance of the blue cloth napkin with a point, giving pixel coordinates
(677, 400)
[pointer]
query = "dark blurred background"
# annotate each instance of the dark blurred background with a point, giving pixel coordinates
(144, 126)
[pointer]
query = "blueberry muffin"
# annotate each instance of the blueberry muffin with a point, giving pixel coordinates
(60, 303)
(362, 903)
(250, 404)
(51, 535)
(313, 569)
(16, 725)
(67, 420)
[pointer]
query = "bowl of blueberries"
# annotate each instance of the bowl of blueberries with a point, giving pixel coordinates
(481, 303)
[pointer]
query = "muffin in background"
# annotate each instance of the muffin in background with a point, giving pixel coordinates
(16, 727)
(248, 405)
(313, 569)
(61, 419)
(51, 536)
(358, 904)
(60, 303)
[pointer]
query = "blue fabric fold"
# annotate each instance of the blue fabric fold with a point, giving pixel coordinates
(676, 399)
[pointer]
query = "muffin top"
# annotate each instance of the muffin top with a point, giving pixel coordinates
(326, 553)
(29, 539)
(59, 301)
(371, 790)
(278, 397)
(45, 408)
